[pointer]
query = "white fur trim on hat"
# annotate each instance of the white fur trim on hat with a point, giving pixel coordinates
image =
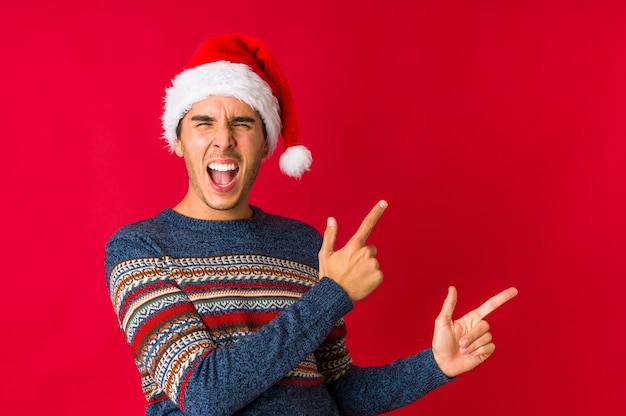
(295, 160)
(221, 78)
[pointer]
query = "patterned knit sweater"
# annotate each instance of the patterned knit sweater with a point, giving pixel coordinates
(230, 317)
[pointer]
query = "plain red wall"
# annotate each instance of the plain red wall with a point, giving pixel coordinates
(494, 129)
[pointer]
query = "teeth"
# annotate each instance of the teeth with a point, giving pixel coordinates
(222, 167)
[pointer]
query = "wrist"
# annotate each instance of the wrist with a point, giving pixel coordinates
(444, 365)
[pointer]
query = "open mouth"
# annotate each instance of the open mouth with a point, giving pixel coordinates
(223, 174)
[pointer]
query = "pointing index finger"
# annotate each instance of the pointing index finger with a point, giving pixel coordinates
(368, 223)
(496, 301)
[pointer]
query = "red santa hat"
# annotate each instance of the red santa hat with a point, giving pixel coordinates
(242, 67)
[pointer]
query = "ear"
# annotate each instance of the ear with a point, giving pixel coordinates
(178, 147)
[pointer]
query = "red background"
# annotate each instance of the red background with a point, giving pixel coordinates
(494, 129)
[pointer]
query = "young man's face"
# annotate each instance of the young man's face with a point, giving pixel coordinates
(223, 144)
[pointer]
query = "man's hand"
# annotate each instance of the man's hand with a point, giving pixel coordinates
(459, 346)
(354, 267)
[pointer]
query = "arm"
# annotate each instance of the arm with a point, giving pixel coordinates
(458, 346)
(376, 390)
(169, 338)
(369, 391)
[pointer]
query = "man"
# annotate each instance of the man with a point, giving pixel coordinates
(230, 310)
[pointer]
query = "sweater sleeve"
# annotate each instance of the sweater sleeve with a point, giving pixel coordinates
(171, 341)
(376, 390)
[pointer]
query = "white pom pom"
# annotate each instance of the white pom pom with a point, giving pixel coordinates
(295, 160)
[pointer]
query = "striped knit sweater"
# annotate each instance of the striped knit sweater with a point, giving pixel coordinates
(230, 317)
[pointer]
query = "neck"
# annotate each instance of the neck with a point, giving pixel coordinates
(203, 211)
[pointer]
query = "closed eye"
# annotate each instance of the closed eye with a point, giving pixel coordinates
(203, 120)
(245, 122)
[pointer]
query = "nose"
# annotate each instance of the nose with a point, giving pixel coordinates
(223, 138)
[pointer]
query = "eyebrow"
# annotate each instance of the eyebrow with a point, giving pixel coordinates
(202, 118)
(242, 119)
(238, 119)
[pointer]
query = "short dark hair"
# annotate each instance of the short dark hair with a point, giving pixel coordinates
(179, 128)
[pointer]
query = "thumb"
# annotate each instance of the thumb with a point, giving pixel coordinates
(330, 235)
(448, 305)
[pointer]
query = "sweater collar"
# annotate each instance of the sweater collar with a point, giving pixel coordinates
(170, 216)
